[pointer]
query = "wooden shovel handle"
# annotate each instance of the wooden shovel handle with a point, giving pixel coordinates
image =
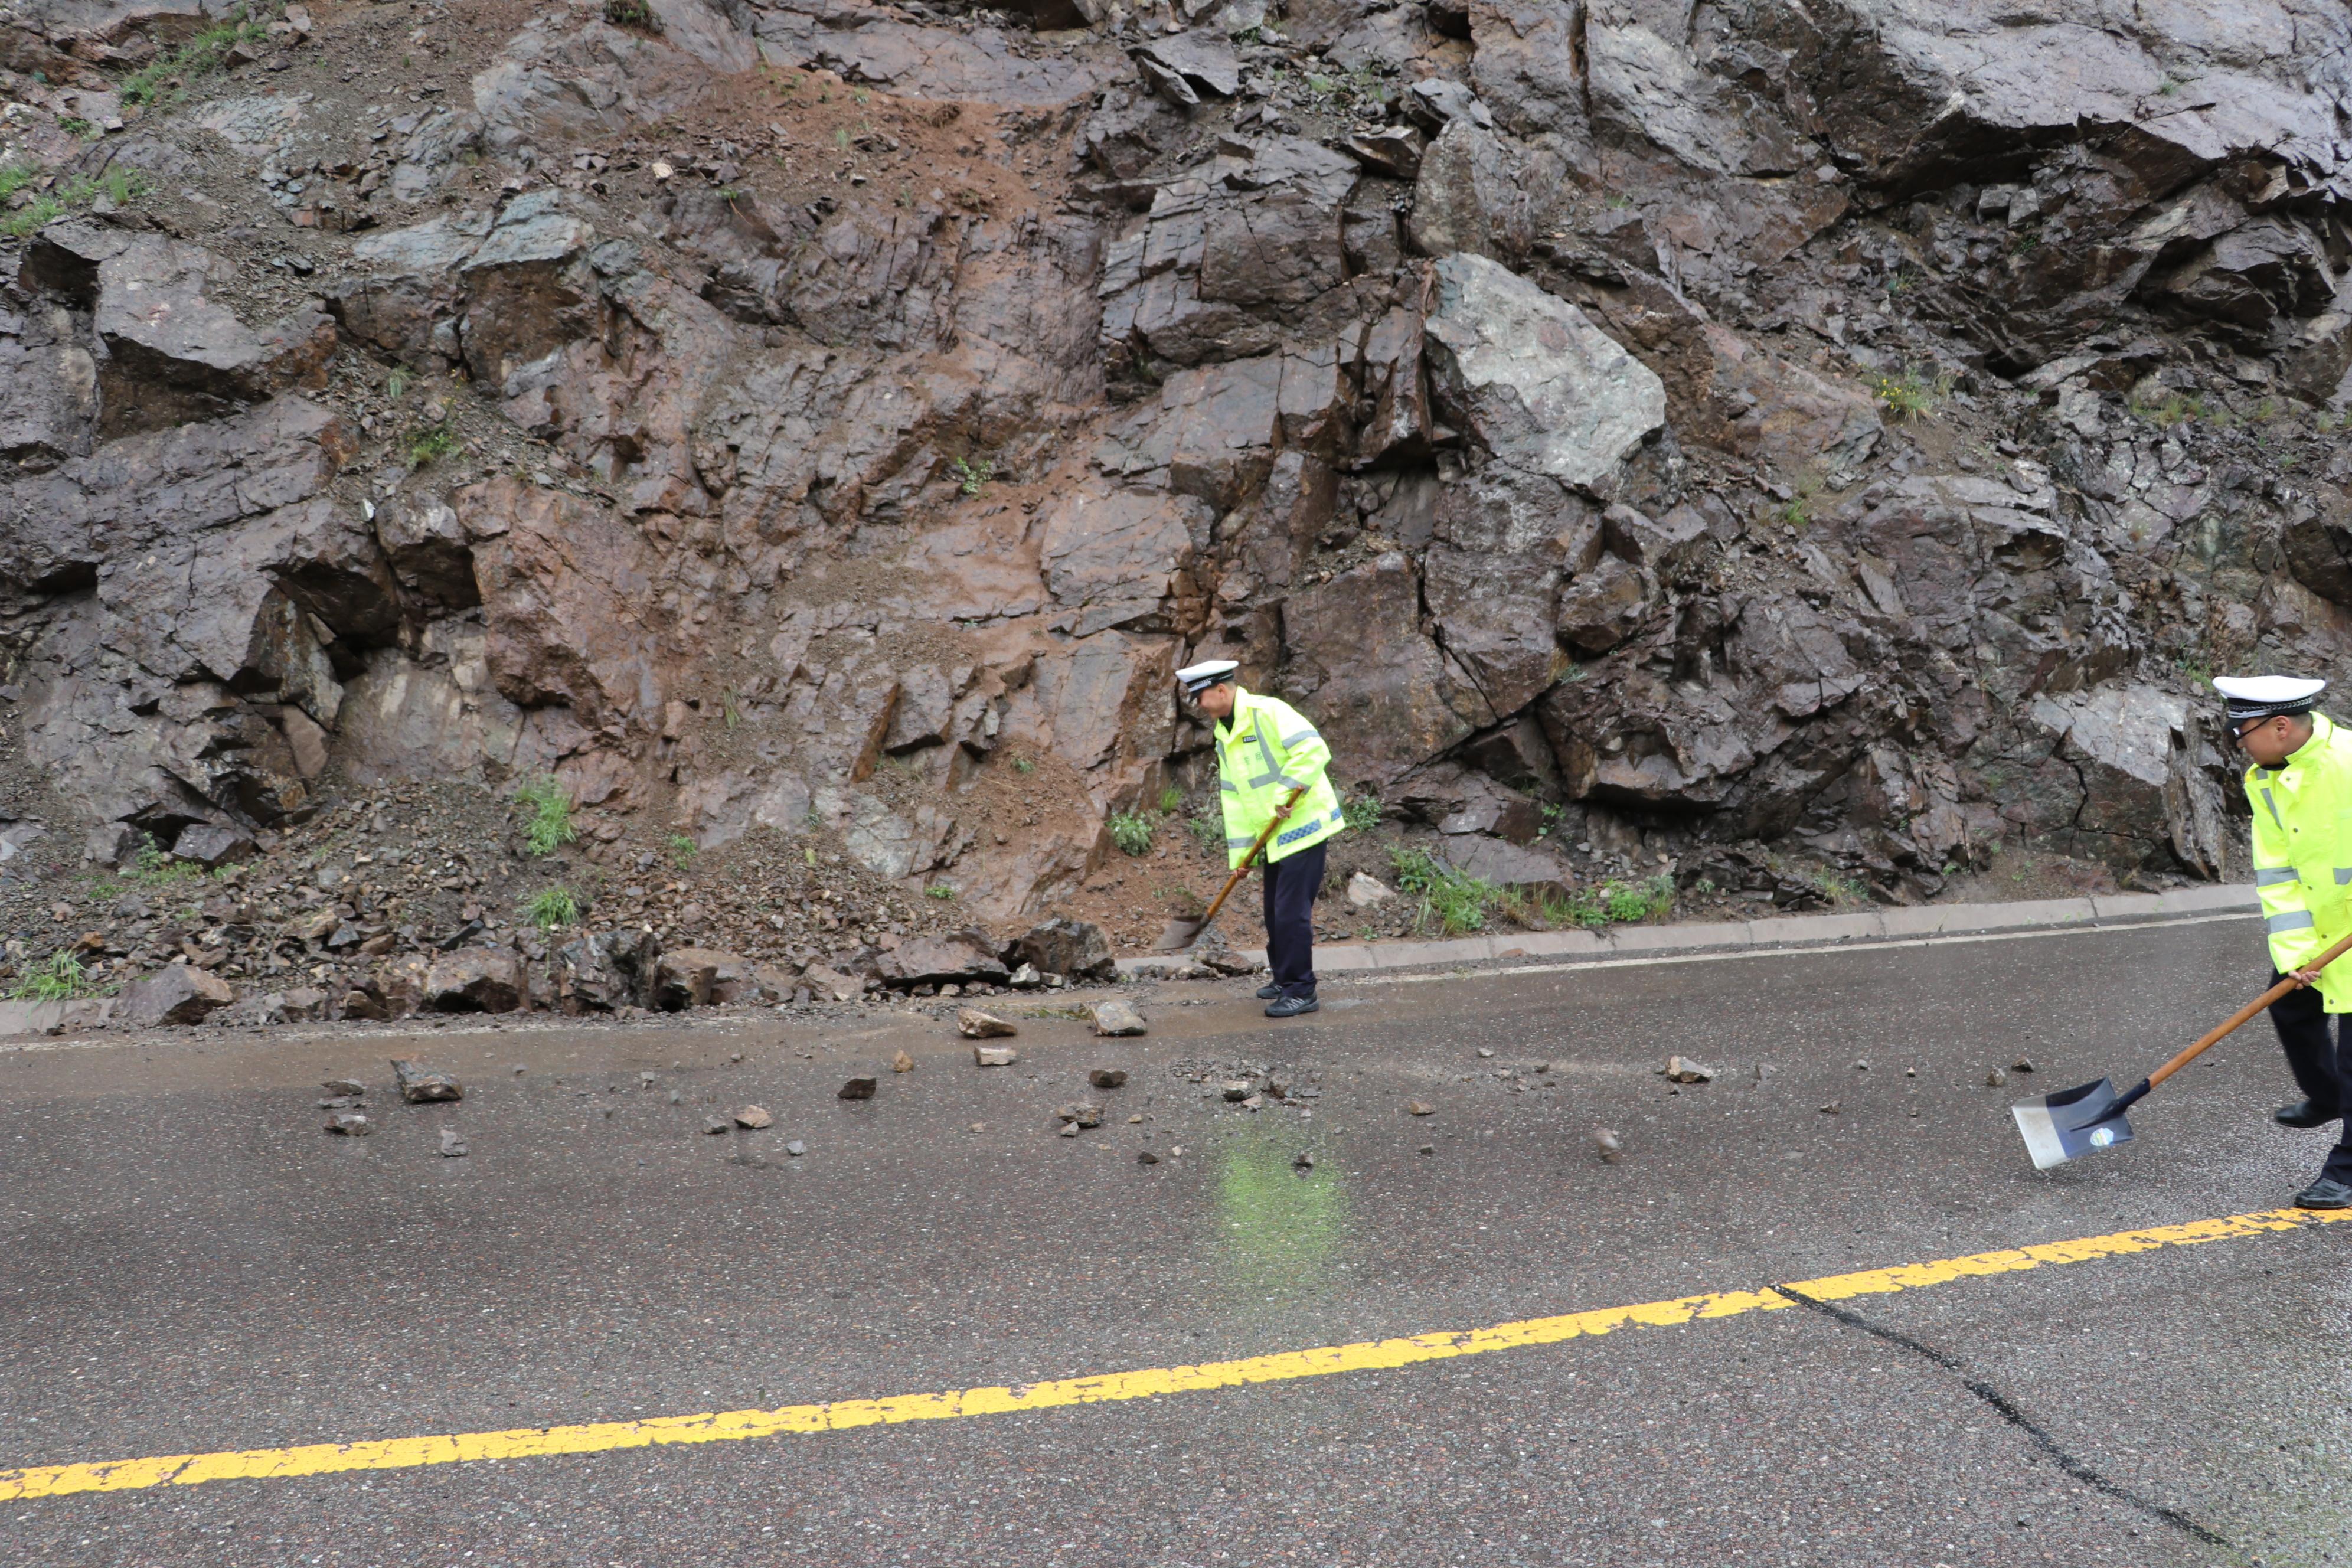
(2231, 1023)
(1265, 833)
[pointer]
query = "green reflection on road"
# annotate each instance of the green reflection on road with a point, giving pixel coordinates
(1279, 1230)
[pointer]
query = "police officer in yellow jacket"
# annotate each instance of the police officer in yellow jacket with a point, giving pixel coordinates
(2300, 787)
(1267, 751)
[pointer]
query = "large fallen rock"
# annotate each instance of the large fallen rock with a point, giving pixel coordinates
(686, 976)
(175, 993)
(961, 959)
(1061, 945)
(55, 1018)
(475, 979)
(606, 970)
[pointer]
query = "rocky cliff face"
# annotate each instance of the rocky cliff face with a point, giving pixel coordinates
(1720, 431)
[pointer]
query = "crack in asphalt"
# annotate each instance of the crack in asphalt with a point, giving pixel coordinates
(2008, 1411)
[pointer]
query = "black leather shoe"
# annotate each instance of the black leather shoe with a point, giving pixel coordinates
(1291, 1006)
(1268, 993)
(2323, 1194)
(2303, 1113)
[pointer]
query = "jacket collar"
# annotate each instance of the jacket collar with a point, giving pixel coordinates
(1240, 716)
(2323, 734)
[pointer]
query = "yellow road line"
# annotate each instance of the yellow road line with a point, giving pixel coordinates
(731, 1425)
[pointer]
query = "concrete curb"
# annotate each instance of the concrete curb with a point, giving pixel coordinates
(1926, 921)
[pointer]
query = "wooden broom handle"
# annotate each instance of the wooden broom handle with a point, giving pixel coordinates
(2243, 1013)
(1265, 833)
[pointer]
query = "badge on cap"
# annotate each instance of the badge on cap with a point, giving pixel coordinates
(1198, 677)
(2267, 696)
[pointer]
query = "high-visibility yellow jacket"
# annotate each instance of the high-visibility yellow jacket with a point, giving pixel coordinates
(2302, 856)
(1266, 749)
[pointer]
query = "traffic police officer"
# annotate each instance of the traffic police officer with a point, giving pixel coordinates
(2300, 787)
(1266, 751)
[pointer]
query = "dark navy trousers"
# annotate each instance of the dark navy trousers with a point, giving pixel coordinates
(1291, 884)
(2321, 1059)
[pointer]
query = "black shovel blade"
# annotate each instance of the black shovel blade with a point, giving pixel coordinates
(2072, 1123)
(1180, 934)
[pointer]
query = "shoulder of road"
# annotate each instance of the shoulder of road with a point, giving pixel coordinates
(1915, 923)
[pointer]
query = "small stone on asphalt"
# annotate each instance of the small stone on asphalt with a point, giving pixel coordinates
(1419, 1107)
(1608, 1145)
(344, 1086)
(715, 1125)
(974, 1023)
(902, 1062)
(796, 1148)
(1116, 1017)
(1107, 1077)
(351, 1124)
(858, 1088)
(755, 1116)
(994, 1055)
(421, 1085)
(1995, 1078)
(453, 1147)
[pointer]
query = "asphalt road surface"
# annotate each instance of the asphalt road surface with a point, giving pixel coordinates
(188, 1265)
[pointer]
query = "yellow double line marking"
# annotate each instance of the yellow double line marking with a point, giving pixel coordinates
(841, 1416)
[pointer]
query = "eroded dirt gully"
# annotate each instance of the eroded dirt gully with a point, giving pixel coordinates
(1771, 456)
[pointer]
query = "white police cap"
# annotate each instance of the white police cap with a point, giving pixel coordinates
(1198, 677)
(2267, 696)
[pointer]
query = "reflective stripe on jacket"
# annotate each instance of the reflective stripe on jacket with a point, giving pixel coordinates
(2302, 856)
(1265, 750)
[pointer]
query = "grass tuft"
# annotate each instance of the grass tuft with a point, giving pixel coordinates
(154, 83)
(430, 442)
(154, 868)
(1451, 901)
(546, 824)
(1362, 813)
(121, 187)
(1621, 903)
(552, 908)
(59, 980)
